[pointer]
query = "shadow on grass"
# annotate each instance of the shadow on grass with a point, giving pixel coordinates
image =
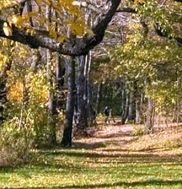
(156, 149)
(151, 183)
(102, 144)
(125, 157)
(115, 135)
(89, 146)
(53, 160)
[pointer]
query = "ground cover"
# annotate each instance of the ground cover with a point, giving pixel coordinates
(113, 157)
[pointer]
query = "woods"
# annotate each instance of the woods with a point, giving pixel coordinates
(63, 62)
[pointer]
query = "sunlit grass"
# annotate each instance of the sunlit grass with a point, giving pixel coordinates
(77, 168)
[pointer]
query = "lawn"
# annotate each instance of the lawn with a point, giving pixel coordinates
(92, 164)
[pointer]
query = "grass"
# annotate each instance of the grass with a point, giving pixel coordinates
(97, 167)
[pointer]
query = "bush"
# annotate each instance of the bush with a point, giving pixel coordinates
(16, 142)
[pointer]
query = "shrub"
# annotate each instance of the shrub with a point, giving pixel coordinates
(16, 141)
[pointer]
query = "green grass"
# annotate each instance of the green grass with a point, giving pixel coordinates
(113, 159)
(80, 168)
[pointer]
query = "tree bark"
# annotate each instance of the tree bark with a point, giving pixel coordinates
(139, 105)
(3, 89)
(98, 98)
(125, 107)
(68, 122)
(150, 116)
(51, 93)
(60, 81)
(132, 107)
(82, 94)
(88, 89)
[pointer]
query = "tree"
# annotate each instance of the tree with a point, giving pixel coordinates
(152, 69)
(129, 67)
(26, 28)
(67, 133)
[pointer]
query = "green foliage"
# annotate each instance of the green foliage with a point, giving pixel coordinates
(153, 63)
(165, 14)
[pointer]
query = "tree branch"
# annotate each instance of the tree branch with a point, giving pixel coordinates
(76, 47)
(101, 25)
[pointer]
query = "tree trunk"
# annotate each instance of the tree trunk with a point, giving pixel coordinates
(150, 116)
(68, 122)
(51, 92)
(139, 104)
(60, 73)
(98, 98)
(88, 91)
(132, 107)
(82, 95)
(125, 107)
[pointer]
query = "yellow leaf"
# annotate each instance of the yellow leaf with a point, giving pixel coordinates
(7, 29)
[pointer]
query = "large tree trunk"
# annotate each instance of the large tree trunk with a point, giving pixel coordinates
(82, 94)
(90, 109)
(83, 85)
(68, 122)
(51, 92)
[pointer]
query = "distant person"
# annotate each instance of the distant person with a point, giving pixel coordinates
(106, 112)
(93, 117)
(75, 117)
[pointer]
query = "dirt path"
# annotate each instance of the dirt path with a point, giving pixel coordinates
(119, 140)
(109, 136)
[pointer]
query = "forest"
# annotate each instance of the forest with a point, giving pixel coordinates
(91, 94)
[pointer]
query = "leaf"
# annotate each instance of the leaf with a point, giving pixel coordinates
(7, 29)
